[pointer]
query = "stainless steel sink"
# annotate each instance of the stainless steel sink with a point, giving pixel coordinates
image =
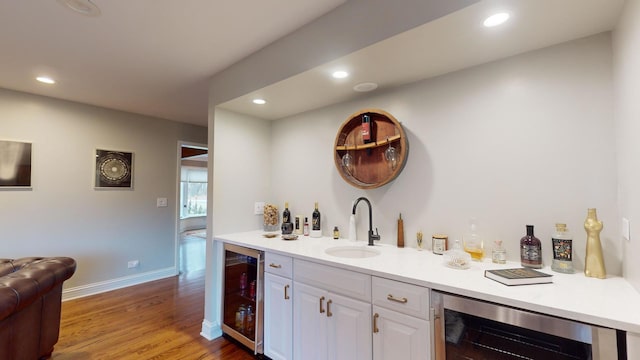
(352, 252)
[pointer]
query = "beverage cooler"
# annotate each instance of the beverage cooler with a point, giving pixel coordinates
(242, 303)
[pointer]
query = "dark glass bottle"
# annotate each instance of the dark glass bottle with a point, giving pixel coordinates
(530, 250)
(286, 214)
(366, 129)
(315, 219)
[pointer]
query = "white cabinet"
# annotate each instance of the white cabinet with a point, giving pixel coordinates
(399, 336)
(278, 305)
(332, 313)
(401, 327)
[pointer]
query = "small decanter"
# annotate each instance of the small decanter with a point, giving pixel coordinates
(456, 257)
(499, 253)
(473, 242)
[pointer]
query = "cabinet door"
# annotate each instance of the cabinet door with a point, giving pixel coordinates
(349, 328)
(399, 336)
(278, 317)
(309, 322)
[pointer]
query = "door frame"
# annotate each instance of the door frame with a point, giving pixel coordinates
(178, 204)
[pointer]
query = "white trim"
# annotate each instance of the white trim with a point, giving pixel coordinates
(114, 284)
(210, 330)
(178, 202)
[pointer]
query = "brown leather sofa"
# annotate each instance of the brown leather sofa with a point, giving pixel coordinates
(30, 302)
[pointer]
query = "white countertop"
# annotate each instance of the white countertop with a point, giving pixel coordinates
(610, 302)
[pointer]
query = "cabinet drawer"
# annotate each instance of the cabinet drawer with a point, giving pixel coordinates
(278, 264)
(344, 282)
(402, 297)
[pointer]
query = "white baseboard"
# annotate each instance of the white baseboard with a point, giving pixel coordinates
(103, 286)
(210, 330)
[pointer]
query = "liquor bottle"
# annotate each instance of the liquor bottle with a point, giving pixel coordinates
(366, 129)
(530, 250)
(316, 228)
(286, 214)
(562, 243)
(472, 242)
(287, 225)
(305, 227)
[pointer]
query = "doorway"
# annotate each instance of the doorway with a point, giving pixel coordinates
(192, 207)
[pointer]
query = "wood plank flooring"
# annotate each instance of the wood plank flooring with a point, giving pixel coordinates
(156, 320)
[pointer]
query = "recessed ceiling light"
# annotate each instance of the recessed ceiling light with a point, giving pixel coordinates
(84, 7)
(46, 80)
(259, 101)
(366, 86)
(496, 19)
(340, 74)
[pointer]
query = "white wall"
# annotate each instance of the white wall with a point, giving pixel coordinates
(526, 140)
(64, 216)
(626, 55)
(242, 166)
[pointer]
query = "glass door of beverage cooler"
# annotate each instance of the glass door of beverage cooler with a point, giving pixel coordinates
(242, 300)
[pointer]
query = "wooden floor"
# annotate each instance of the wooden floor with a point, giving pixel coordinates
(157, 320)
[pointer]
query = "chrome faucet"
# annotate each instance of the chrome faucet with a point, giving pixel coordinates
(372, 237)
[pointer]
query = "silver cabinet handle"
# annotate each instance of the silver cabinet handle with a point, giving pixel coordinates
(403, 300)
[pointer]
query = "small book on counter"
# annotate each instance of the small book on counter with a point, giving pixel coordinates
(518, 276)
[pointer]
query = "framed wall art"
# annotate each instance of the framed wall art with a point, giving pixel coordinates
(15, 164)
(114, 169)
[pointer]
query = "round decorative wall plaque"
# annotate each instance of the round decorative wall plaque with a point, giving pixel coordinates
(370, 149)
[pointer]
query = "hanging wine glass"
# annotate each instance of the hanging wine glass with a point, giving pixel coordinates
(347, 161)
(391, 155)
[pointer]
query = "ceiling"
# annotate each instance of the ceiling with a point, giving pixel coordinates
(152, 57)
(155, 57)
(450, 43)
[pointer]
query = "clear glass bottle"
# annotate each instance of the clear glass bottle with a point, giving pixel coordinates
(305, 228)
(530, 250)
(249, 322)
(562, 243)
(472, 242)
(241, 313)
(499, 253)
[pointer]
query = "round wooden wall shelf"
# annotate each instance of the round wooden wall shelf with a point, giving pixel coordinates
(368, 165)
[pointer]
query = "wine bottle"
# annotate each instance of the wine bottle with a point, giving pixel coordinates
(530, 250)
(366, 129)
(286, 214)
(316, 228)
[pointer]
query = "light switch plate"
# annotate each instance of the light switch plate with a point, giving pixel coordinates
(258, 208)
(626, 229)
(161, 202)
